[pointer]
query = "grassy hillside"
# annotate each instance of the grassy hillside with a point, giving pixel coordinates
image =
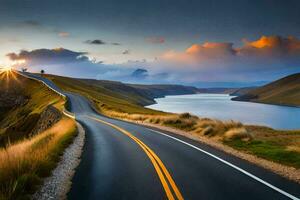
(21, 103)
(285, 91)
(26, 158)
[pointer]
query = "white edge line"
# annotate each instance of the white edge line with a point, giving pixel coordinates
(231, 165)
(65, 112)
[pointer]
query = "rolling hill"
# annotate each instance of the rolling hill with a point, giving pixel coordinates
(285, 91)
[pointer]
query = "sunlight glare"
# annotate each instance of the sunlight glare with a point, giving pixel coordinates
(6, 69)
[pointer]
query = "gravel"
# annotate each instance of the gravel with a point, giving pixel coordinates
(59, 183)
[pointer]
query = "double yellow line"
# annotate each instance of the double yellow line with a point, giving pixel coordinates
(165, 178)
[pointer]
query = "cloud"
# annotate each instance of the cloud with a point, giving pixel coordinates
(126, 52)
(155, 40)
(101, 42)
(48, 56)
(140, 74)
(63, 34)
(96, 42)
(260, 59)
(68, 63)
(264, 47)
(271, 46)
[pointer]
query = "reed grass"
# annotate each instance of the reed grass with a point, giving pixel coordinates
(25, 163)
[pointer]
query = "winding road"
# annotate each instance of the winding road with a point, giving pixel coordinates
(122, 160)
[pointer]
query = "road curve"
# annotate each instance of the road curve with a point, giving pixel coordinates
(122, 160)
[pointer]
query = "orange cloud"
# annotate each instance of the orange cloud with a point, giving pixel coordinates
(271, 45)
(211, 50)
(212, 58)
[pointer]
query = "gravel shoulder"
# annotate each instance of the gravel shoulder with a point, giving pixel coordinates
(58, 184)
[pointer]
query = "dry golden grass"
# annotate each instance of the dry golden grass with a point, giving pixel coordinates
(24, 163)
(222, 130)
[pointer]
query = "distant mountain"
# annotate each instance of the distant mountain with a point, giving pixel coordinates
(285, 91)
(156, 91)
(218, 90)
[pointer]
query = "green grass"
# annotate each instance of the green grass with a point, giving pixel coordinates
(268, 150)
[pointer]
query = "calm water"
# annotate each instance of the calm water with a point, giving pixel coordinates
(221, 107)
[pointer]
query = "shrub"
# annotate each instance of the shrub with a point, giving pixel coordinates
(237, 133)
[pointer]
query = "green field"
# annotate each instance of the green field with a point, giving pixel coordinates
(279, 146)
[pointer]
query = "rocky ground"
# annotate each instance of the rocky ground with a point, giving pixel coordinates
(48, 117)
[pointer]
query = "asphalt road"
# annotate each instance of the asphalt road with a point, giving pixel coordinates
(122, 160)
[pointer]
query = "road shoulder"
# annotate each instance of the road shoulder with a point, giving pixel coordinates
(59, 183)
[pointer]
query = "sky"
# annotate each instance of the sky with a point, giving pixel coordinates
(205, 43)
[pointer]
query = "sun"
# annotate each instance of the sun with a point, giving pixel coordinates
(5, 69)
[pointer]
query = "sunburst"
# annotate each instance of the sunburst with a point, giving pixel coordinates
(6, 75)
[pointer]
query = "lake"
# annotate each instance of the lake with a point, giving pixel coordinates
(220, 106)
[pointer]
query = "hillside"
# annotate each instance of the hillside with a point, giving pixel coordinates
(22, 101)
(33, 134)
(285, 91)
(241, 91)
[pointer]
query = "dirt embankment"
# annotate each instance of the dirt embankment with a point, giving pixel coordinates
(48, 117)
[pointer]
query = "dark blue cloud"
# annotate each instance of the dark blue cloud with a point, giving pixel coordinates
(97, 42)
(49, 56)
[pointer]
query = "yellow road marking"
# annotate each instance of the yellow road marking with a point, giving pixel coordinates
(169, 177)
(155, 160)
